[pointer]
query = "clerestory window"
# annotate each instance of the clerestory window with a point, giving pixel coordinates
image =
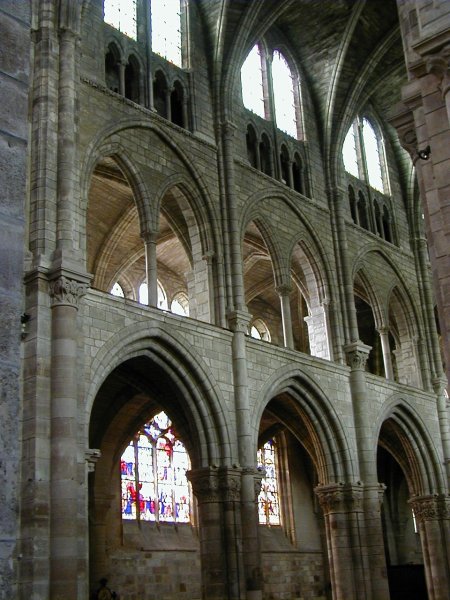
(121, 14)
(363, 154)
(153, 475)
(166, 29)
(262, 80)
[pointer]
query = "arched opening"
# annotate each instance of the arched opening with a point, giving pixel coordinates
(138, 510)
(285, 166)
(132, 79)
(353, 205)
(160, 94)
(396, 466)
(261, 296)
(403, 343)
(265, 153)
(363, 216)
(387, 224)
(176, 104)
(368, 335)
(115, 250)
(291, 526)
(252, 147)
(112, 77)
(298, 175)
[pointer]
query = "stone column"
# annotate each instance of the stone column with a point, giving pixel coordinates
(151, 267)
(168, 93)
(65, 293)
(251, 487)
(357, 355)
(342, 508)
(384, 337)
(284, 291)
(432, 515)
(122, 66)
(218, 494)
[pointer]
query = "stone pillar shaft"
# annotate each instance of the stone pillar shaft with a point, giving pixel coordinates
(151, 267)
(65, 294)
(284, 293)
(384, 337)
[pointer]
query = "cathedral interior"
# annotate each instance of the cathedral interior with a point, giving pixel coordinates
(225, 291)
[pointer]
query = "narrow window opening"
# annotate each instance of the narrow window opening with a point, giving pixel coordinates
(166, 30)
(252, 82)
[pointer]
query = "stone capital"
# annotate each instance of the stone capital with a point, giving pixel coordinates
(228, 129)
(435, 507)
(205, 484)
(66, 291)
(340, 497)
(357, 354)
(91, 456)
(150, 236)
(239, 320)
(284, 289)
(230, 484)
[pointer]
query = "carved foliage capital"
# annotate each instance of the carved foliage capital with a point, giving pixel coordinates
(357, 355)
(213, 484)
(430, 508)
(65, 291)
(339, 498)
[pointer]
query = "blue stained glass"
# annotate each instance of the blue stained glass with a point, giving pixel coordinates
(156, 488)
(268, 500)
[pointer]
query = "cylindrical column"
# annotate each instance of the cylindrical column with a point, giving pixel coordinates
(357, 355)
(432, 515)
(65, 294)
(151, 267)
(218, 495)
(284, 291)
(251, 486)
(341, 505)
(384, 337)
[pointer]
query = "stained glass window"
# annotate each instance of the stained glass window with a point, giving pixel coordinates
(121, 14)
(268, 500)
(153, 474)
(166, 29)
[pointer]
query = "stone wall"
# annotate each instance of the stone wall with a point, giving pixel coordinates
(14, 78)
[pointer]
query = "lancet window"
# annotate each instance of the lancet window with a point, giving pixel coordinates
(268, 500)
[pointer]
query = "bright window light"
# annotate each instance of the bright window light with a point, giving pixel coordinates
(252, 82)
(166, 29)
(162, 297)
(283, 91)
(268, 500)
(372, 156)
(117, 290)
(349, 153)
(180, 305)
(121, 14)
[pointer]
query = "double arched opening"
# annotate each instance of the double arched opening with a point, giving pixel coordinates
(289, 303)
(136, 242)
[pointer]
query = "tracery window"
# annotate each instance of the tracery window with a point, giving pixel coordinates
(252, 82)
(284, 95)
(121, 14)
(268, 499)
(166, 30)
(256, 78)
(153, 474)
(363, 154)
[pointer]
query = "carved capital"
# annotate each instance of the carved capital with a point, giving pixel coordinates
(339, 497)
(284, 289)
(228, 130)
(66, 291)
(440, 385)
(205, 484)
(230, 484)
(258, 475)
(357, 355)
(438, 65)
(149, 236)
(430, 508)
(239, 320)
